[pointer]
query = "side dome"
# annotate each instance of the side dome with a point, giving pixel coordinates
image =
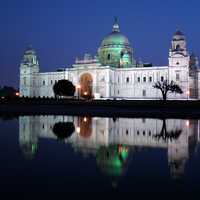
(178, 35)
(113, 48)
(30, 57)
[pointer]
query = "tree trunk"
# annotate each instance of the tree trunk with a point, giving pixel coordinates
(164, 94)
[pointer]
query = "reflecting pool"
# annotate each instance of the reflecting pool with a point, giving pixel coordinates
(50, 154)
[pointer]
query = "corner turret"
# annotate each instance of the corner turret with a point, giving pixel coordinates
(29, 69)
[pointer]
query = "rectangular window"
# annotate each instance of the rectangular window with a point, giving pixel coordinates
(138, 79)
(144, 79)
(43, 82)
(51, 82)
(150, 79)
(144, 93)
(162, 78)
(127, 79)
(24, 80)
(177, 77)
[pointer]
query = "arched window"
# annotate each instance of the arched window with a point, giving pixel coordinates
(178, 47)
(122, 54)
(109, 56)
(149, 133)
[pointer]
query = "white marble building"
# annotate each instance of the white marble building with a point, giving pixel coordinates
(114, 73)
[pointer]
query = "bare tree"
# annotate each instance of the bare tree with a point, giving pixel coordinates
(165, 87)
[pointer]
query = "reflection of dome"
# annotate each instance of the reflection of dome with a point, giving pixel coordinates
(113, 47)
(29, 150)
(112, 159)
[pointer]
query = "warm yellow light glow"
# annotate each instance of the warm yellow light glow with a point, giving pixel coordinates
(78, 86)
(188, 92)
(85, 119)
(85, 93)
(78, 129)
(187, 123)
(17, 93)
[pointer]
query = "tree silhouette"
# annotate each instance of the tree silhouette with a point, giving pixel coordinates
(165, 135)
(165, 87)
(64, 88)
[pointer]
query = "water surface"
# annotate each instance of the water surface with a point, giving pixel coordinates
(61, 154)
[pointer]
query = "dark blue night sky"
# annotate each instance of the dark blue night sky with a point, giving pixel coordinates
(61, 30)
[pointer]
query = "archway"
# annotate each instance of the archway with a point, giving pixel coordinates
(86, 85)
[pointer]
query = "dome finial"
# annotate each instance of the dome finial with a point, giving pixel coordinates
(116, 25)
(29, 47)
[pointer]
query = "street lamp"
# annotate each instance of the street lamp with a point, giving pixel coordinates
(78, 89)
(17, 94)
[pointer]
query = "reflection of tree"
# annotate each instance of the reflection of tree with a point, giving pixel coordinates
(114, 119)
(63, 130)
(168, 135)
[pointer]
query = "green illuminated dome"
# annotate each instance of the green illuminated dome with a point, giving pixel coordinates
(113, 48)
(115, 38)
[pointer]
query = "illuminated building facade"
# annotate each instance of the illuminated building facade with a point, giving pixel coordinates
(115, 73)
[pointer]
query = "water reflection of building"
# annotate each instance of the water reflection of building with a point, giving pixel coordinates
(113, 141)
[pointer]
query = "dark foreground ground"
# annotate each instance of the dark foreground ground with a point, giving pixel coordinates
(104, 108)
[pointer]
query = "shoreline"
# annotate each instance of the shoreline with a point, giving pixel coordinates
(102, 108)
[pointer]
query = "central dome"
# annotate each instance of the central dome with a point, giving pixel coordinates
(115, 38)
(113, 48)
